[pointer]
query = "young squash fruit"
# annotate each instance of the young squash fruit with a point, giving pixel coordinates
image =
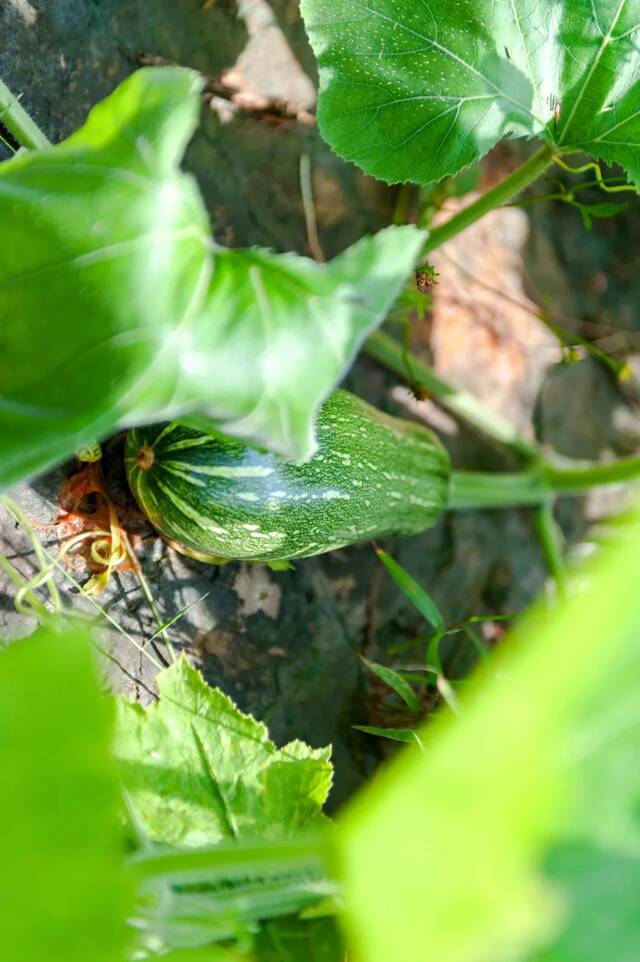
(218, 499)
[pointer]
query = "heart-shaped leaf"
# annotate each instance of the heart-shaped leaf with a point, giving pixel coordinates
(198, 770)
(117, 307)
(418, 90)
(280, 331)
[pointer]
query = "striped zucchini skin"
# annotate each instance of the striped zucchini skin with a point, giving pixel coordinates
(219, 499)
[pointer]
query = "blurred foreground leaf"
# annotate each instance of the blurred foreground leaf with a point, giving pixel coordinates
(63, 897)
(516, 834)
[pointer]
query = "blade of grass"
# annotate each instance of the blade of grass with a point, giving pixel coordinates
(551, 541)
(18, 122)
(146, 591)
(433, 660)
(400, 685)
(407, 735)
(417, 675)
(448, 694)
(306, 190)
(477, 642)
(416, 595)
(22, 519)
(176, 617)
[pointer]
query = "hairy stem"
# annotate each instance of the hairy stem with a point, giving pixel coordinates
(385, 350)
(19, 123)
(502, 193)
(229, 860)
(463, 405)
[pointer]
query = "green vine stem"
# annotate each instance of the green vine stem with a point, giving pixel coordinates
(463, 405)
(501, 194)
(19, 123)
(237, 859)
(551, 541)
(480, 489)
(581, 476)
(385, 350)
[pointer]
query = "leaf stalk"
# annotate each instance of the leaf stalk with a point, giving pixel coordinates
(18, 122)
(388, 352)
(232, 860)
(502, 193)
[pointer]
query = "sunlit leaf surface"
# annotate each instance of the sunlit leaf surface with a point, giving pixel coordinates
(418, 89)
(117, 307)
(515, 833)
(198, 770)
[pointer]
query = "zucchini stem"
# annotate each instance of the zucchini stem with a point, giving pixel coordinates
(583, 475)
(495, 489)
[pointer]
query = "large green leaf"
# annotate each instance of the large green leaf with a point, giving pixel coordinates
(212, 953)
(516, 834)
(117, 307)
(418, 89)
(105, 246)
(280, 330)
(198, 770)
(63, 895)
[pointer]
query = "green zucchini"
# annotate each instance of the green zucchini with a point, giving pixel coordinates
(218, 499)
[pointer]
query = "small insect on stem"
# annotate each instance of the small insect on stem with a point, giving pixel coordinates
(426, 277)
